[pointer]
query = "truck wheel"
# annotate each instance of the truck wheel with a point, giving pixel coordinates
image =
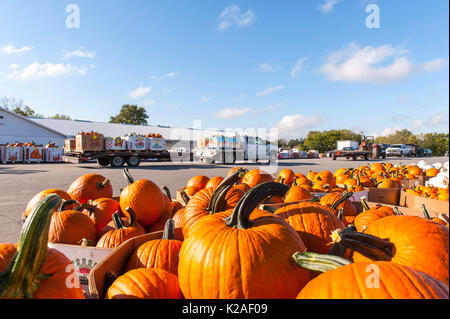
(354, 157)
(117, 161)
(366, 157)
(133, 161)
(103, 161)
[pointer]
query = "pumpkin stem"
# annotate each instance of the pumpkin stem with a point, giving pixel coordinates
(128, 176)
(425, 212)
(364, 203)
(185, 197)
(90, 208)
(132, 219)
(103, 184)
(22, 276)
(241, 213)
(372, 247)
(340, 214)
(319, 262)
(166, 189)
(169, 232)
(86, 243)
(397, 211)
(294, 181)
(345, 195)
(118, 223)
(66, 203)
(226, 183)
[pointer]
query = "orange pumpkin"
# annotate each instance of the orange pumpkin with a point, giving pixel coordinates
(90, 187)
(256, 177)
(199, 181)
(101, 211)
(145, 198)
(214, 182)
(286, 176)
(37, 198)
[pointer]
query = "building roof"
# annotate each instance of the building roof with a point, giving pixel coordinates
(35, 123)
(70, 128)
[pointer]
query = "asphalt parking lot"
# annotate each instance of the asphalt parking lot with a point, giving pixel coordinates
(20, 182)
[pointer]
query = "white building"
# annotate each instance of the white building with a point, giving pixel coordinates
(15, 128)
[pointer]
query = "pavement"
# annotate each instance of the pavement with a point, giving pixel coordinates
(20, 182)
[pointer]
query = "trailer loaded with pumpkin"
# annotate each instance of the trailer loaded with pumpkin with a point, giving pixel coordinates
(129, 149)
(247, 235)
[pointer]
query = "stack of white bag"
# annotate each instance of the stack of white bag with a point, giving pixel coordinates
(441, 179)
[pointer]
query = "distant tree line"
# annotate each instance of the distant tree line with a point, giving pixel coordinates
(325, 141)
(16, 106)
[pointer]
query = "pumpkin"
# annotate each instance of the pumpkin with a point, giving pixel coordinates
(214, 182)
(340, 279)
(174, 205)
(29, 269)
(410, 241)
(377, 168)
(145, 283)
(431, 172)
(199, 181)
(297, 193)
(369, 215)
(256, 177)
(336, 201)
(159, 253)
(286, 176)
(145, 198)
(387, 183)
(311, 175)
(313, 222)
(233, 256)
(90, 186)
(121, 233)
(100, 211)
(39, 196)
(192, 190)
(243, 187)
(435, 219)
(71, 227)
(177, 224)
(210, 200)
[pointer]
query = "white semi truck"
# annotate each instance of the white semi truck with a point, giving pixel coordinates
(228, 150)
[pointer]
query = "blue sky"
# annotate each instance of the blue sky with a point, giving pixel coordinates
(294, 65)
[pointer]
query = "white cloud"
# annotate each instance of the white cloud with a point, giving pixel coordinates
(416, 125)
(139, 92)
(270, 90)
(38, 70)
(379, 65)
(296, 124)
(438, 119)
(230, 113)
(11, 49)
(297, 67)
(171, 74)
(205, 99)
(233, 15)
(78, 53)
(328, 6)
(433, 65)
(268, 67)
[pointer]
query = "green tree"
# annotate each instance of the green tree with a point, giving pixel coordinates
(436, 142)
(26, 111)
(130, 114)
(60, 117)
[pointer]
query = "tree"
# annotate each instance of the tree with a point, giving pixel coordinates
(130, 114)
(26, 111)
(10, 103)
(60, 117)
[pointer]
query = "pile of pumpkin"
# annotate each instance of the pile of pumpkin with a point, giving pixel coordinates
(429, 192)
(228, 247)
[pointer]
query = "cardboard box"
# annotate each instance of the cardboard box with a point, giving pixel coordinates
(33, 154)
(423, 180)
(432, 205)
(390, 196)
(12, 154)
(69, 144)
(115, 143)
(111, 267)
(84, 259)
(356, 197)
(53, 154)
(136, 143)
(156, 144)
(91, 142)
(408, 183)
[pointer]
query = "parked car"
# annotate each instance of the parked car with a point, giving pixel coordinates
(417, 151)
(399, 150)
(427, 152)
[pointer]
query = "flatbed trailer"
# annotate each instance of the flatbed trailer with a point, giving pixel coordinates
(355, 154)
(115, 158)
